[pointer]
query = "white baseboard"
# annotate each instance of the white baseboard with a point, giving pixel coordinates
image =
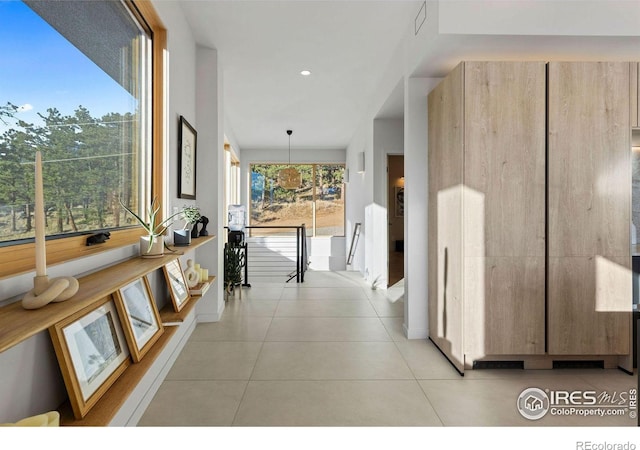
(415, 333)
(135, 406)
(204, 318)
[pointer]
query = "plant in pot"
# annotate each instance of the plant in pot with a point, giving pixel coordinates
(233, 264)
(152, 244)
(191, 216)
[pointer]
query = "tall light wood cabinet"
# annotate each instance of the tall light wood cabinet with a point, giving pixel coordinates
(530, 212)
(487, 211)
(589, 205)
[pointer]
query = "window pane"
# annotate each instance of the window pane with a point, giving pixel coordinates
(329, 200)
(75, 85)
(272, 205)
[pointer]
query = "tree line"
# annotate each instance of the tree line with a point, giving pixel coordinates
(328, 177)
(88, 164)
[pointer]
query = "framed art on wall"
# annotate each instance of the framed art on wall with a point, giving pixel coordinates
(177, 284)
(92, 352)
(187, 146)
(399, 201)
(139, 316)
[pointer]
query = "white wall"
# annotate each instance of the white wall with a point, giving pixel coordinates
(416, 200)
(388, 137)
(534, 17)
(210, 175)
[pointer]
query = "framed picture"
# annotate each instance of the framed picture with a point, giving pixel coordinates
(139, 316)
(187, 145)
(399, 201)
(177, 284)
(92, 352)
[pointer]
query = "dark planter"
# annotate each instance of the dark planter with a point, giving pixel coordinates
(181, 238)
(194, 231)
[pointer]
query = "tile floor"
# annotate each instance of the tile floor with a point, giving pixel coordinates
(331, 352)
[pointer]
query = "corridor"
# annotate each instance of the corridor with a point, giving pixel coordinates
(331, 352)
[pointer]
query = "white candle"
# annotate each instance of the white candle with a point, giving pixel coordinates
(38, 213)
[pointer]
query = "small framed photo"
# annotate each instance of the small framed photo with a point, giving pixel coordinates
(92, 352)
(139, 316)
(177, 284)
(187, 146)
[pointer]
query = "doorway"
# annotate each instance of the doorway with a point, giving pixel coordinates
(395, 214)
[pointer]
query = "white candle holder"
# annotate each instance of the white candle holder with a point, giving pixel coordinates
(44, 290)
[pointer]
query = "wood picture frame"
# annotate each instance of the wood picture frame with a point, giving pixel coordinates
(187, 152)
(92, 353)
(177, 284)
(139, 316)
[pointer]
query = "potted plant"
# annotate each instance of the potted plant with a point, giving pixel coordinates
(152, 245)
(191, 216)
(233, 264)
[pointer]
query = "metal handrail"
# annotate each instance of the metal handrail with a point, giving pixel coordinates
(302, 256)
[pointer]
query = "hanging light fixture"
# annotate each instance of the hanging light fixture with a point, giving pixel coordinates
(289, 178)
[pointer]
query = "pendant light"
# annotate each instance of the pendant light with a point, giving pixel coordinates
(289, 178)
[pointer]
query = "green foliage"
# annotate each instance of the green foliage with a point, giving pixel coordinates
(151, 224)
(88, 164)
(191, 215)
(233, 265)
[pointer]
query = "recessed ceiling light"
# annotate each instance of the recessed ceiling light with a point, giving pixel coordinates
(305, 73)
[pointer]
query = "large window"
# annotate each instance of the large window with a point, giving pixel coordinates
(318, 202)
(76, 83)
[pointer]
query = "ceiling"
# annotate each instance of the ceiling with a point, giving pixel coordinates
(346, 44)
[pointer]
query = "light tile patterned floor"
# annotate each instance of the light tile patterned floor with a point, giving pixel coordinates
(331, 352)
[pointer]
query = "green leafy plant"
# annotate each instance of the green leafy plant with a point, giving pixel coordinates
(152, 228)
(191, 215)
(233, 264)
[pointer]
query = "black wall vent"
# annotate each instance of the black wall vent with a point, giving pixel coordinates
(498, 365)
(578, 364)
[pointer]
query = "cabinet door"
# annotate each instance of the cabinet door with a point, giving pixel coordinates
(589, 204)
(504, 208)
(445, 216)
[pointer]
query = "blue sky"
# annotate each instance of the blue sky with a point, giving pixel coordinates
(40, 69)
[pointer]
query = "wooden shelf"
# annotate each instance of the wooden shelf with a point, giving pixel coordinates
(170, 317)
(195, 243)
(18, 324)
(104, 411)
(210, 280)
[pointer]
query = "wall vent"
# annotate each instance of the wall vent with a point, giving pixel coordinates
(598, 364)
(477, 365)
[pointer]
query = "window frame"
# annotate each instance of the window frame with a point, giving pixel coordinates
(20, 258)
(313, 169)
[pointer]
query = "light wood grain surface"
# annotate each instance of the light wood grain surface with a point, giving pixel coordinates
(18, 324)
(589, 303)
(589, 159)
(445, 215)
(504, 306)
(504, 157)
(589, 163)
